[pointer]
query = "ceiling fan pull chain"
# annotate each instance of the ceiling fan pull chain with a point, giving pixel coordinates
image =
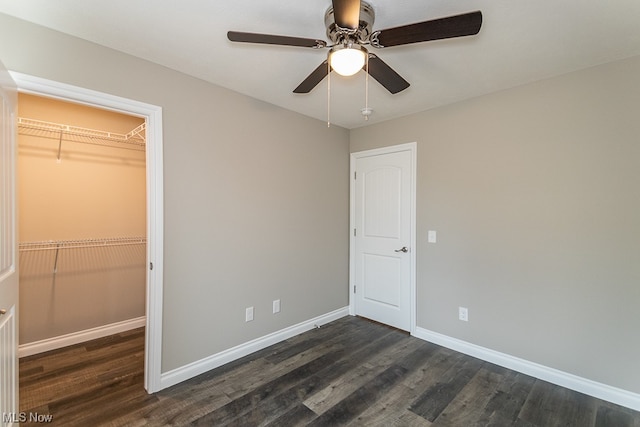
(366, 89)
(328, 94)
(366, 111)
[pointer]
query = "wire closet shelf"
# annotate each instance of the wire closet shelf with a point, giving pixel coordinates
(135, 139)
(59, 245)
(83, 243)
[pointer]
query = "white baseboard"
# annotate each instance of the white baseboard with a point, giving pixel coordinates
(554, 376)
(198, 367)
(79, 337)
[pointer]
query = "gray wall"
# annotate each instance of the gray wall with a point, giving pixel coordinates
(256, 197)
(535, 195)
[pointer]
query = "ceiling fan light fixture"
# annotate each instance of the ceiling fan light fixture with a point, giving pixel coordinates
(348, 59)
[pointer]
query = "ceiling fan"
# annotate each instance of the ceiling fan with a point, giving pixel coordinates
(349, 27)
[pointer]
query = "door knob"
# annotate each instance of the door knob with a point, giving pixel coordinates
(3, 311)
(404, 249)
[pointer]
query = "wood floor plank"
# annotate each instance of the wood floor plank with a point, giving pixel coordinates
(390, 409)
(371, 392)
(345, 384)
(356, 355)
(248, 401)
(471, 400)
(299, 415)
(177, 412)
(493, 397)
(285, 361)
(57, 364)
(435, 399)
(406, 419)
(358, 401)
(316, 338)
(552, 405)
(33, 368)
(506, 403)
(104, 405)
(180, 404)
(611, 416)
(81, 376)
(393, 407)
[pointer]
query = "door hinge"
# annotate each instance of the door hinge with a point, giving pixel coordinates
(355, 175)
(150, 266)
(354, 289)
(354, 232)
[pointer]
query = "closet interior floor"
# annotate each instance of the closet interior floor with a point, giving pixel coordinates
(349, 372)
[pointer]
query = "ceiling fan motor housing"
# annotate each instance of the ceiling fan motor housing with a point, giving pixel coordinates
(339, 35)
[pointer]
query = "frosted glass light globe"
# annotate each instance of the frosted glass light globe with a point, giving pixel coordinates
(347, 61)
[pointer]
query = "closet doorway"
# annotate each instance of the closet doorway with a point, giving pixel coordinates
(111, 231)
(82, 223)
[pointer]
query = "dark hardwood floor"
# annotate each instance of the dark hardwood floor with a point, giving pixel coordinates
(350, 372)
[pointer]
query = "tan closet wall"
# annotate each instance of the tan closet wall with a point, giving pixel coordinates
(93, 192)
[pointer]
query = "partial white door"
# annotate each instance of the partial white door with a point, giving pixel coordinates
(8, 268)
(382, 241)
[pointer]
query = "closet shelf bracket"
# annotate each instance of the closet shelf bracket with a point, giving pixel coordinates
(60, 145)
(55, 261)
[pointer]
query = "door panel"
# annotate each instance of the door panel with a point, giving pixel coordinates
(379, 272)
(382, 215)
(382, 190)
(8, 267)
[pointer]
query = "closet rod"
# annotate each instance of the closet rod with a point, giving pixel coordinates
(135, 137)
(74, 244)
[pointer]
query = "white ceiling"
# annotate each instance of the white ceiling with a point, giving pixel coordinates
(520, 41)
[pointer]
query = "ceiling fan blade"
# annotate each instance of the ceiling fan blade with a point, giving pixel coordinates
(236, 36)
(466, 24)
(313, 79)
(346, 13)
(385, 75)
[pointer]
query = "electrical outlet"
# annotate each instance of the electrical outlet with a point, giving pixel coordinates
(248, 314)
(463, 314)
(276, 306)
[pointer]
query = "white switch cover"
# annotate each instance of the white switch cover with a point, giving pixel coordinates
(276, 306)
(432, 236)
(248, 315)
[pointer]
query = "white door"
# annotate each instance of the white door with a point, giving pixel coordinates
(8, 268)
(382, 239)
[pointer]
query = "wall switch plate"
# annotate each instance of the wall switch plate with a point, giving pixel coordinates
(432, 236)
(463, 314)
(248, 314)
(276, 306)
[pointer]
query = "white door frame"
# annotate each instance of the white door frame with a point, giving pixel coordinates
(154, 172)
(412, 147)
(9, 389)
